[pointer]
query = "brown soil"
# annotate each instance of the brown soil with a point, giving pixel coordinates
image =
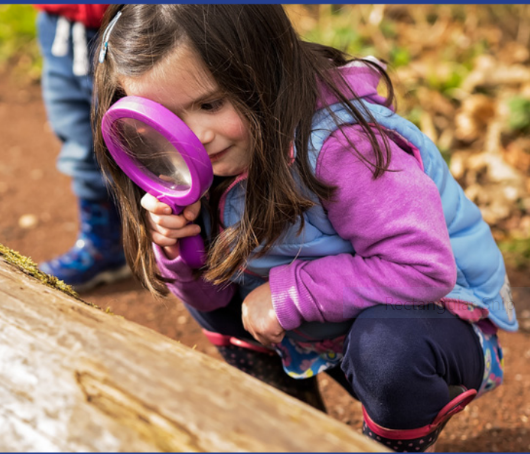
(30, 185)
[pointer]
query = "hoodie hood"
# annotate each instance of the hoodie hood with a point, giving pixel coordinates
(362, 78)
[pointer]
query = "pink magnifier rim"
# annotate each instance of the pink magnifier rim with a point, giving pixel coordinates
(177, 133)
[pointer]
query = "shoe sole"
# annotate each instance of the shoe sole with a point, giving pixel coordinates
(107, 277)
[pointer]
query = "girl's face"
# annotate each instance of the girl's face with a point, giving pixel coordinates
(182, 84)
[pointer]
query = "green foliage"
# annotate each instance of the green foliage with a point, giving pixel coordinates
(414, 115)
(388, 28)
(444, 83)
(18, 43)
(343, 37)
(519, 114)
(516, 252)
(399, 56)
(446, 154)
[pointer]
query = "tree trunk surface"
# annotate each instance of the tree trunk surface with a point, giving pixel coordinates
(74, 378)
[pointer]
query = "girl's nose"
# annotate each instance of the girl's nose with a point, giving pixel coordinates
(206, 136)
(203, 132)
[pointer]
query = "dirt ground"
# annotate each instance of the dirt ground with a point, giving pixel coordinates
(38, 218)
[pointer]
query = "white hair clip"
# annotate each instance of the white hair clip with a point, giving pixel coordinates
(106, 35)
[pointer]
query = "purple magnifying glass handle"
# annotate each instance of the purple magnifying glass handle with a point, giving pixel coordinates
(192, 251)
(191, 248)
(159, 153)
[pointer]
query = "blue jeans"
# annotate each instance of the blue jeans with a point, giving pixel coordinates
(68, 100)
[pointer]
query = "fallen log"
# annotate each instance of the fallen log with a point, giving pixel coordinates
(75, 378)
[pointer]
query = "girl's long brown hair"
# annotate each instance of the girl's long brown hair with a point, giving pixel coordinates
(272, 78)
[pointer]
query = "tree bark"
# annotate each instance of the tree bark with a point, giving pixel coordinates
(74, 378)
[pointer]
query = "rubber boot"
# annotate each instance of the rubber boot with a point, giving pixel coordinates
(421, 439)
(266, 366)
(97, 256)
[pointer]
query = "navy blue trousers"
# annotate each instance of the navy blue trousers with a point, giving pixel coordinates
(398, 363)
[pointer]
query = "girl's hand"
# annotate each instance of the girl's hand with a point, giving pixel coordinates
(259, 318)
(167, 228)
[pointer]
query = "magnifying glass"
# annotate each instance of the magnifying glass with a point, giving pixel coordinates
(159, 153)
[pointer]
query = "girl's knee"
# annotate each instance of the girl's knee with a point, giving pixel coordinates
(389, 342)
(391, 368)
(382, 346)
(401, 367)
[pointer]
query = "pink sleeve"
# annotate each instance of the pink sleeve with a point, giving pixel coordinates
(397, 228)
(198, 293)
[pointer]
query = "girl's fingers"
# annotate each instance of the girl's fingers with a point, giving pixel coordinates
(266, 339)
(167, 228)
(168, 240)
(153, 205)
(188, 230)
(192, 211)
(162, 240)
(277, 338)
(162, 215)
(170, 222)
(172, 252)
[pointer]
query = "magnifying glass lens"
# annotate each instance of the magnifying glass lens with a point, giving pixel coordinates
(154, 155)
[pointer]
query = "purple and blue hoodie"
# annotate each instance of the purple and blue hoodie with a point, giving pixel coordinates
(396, 240)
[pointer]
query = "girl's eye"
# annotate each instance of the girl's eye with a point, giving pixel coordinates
(212, 106)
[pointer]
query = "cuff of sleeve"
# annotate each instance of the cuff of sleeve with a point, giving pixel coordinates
(172, 268)
(284, 297)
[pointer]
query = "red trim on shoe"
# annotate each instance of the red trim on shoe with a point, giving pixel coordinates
(224, 340)
(453, 407)
(257, 348)
(217, 339)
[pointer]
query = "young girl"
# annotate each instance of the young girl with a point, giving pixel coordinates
(337, 239)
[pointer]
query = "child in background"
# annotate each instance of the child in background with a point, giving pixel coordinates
(337, 239)
(66, 37)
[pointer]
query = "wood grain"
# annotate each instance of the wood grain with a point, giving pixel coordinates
(74, 378)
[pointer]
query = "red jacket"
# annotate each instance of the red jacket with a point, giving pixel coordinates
(90, 15)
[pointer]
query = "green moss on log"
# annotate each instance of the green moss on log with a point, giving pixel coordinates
(28, 266)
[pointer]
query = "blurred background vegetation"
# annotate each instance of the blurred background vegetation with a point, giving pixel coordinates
(19, 51)
(461, 73)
